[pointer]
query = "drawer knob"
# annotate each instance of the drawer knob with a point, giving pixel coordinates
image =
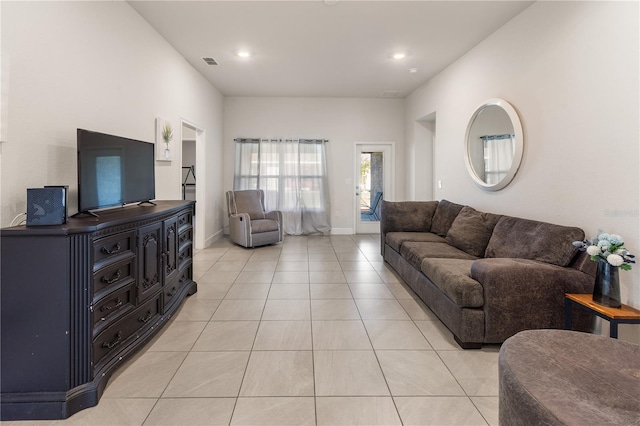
(113, 279)
(116, 305)
(113, 250)
(116, 342)
(173, 291)
(145, 319)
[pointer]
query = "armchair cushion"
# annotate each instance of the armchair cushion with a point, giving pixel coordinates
(263, 225)
(250, 202)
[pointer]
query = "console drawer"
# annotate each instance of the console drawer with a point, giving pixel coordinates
(173, 288)
(185, 237)
(113, 306)
(184, 257)
(185, 220)
(107, 279)
(117, 335)
(113, 247)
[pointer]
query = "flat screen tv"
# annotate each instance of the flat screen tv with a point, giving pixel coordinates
(113, 171)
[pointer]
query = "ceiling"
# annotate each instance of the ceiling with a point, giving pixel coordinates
(324, 48)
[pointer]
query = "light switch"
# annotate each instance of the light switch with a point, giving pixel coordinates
(439, 184)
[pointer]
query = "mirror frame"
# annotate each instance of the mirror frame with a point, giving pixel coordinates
(519, 142)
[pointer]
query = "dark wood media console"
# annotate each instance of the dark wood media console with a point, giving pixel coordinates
(79, 299)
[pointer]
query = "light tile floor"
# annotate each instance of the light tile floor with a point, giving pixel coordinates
(317, 330)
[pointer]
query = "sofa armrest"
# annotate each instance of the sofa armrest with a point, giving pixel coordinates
(522, 294)
(407, 216)
(240, 229)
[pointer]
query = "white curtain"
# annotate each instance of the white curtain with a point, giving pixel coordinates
(498, 156)
(293, 175)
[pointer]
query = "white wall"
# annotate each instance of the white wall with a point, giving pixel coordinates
(571, 71)
(343, 121)
(98, 66)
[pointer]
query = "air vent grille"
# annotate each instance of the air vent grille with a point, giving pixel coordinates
(390, 94)
(210, 61)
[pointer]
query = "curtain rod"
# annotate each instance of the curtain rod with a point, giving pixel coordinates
(255, 140)
(496, 137)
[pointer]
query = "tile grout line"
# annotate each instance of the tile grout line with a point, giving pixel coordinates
(246, 367)
(186, 356)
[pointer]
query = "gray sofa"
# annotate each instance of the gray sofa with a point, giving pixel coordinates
(486, 276)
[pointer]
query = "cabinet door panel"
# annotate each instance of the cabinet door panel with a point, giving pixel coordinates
(150, 266)
(171, 249)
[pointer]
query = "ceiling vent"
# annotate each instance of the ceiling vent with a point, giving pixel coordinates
(210, 61)
(390, 94)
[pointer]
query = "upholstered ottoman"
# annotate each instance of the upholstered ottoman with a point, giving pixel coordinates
(557, 377)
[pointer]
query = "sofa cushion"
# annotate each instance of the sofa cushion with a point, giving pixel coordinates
(444, 216)
(533, 240)
(453, 278)
(263, 225)
(471, 230)
(395, 239)
(415, 252)
(410, 216)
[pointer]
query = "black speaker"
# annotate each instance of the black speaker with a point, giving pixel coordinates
(47, 206)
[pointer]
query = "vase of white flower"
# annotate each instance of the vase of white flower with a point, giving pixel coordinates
(608, 251)
(606, 290)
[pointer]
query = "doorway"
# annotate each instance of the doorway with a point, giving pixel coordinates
(188, 180)
(193, 143)
(373, 183)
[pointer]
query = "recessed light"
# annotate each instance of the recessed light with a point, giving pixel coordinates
(413, 70)
(244, 53)
(399, 55)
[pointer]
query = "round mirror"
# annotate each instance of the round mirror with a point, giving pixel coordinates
(494, 144)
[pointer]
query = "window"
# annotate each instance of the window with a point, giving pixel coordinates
(292, 174)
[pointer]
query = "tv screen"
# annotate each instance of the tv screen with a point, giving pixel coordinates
(113, 171)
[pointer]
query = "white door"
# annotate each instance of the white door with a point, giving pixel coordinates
(374, 177)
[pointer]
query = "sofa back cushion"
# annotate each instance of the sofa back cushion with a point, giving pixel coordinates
(471, 230)
(530, 239)
(407, 216)
(444, 216)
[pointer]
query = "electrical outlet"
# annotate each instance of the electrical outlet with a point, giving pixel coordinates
(439, 184)
(338, 213)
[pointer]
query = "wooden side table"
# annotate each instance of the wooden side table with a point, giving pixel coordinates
(622, 315)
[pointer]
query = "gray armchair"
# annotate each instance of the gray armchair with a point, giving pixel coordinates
(249, 224)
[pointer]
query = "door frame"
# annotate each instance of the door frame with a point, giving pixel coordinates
(389, 150)
(201, 200)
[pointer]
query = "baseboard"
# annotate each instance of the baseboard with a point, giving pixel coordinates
(212, 239)
(341, 231)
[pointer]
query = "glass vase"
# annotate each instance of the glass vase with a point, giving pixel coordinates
(606, 291)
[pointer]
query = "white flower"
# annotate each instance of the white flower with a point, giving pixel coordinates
(593, 251)
(615, 260)
(604, 236)
(604, 245)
